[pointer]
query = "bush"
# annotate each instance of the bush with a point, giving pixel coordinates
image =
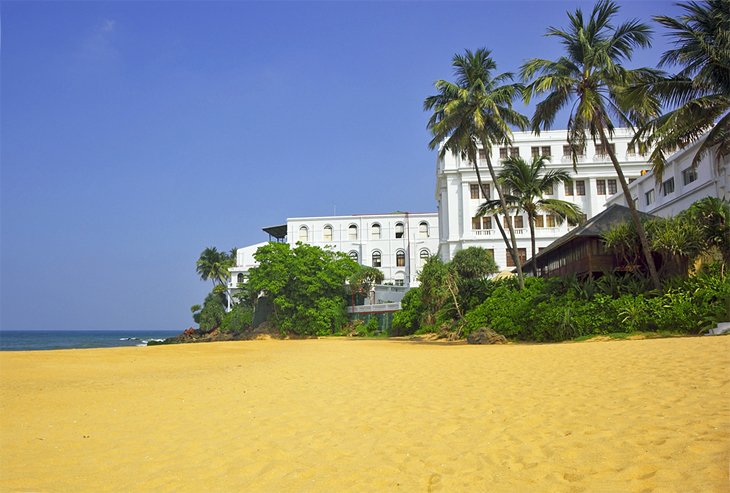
(406, 320)
(238, 319)
(211, 316)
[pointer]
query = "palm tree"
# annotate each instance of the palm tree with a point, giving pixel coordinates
(213, 265)
(528, 183)
(591, 80)
(700, 91)
(476, 111)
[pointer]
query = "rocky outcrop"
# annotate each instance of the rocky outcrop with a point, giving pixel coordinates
(485, 336)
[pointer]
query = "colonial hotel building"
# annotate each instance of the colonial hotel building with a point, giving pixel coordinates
(399, 243)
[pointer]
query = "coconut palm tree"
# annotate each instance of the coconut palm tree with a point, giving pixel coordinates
(527, 184)
(476, 112)
(700, 92)
(213, 265)
(591, 80)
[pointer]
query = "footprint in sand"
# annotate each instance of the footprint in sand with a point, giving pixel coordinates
(434, 482)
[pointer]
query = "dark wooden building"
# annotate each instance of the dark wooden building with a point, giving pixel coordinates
(581, 251)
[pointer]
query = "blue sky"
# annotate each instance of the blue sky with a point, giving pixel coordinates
(136, 134)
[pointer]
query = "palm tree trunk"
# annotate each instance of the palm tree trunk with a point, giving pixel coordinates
(496, 216)
(632, 208)
(531, 223)
(511, 245)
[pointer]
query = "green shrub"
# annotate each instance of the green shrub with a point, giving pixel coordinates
(238, 319)
(407, 319)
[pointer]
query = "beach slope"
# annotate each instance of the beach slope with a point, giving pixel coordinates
(352, 415)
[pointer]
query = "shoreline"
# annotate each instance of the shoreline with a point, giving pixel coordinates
(325, 415)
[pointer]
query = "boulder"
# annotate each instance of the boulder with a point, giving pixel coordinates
(485, 336)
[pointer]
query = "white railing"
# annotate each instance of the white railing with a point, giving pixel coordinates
(569, 159)
(382, 307)
(482, 232)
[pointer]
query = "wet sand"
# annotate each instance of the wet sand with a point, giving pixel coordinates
(339, 415)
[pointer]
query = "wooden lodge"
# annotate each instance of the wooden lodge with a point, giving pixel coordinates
(581, 251)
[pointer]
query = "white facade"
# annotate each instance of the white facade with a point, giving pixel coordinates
(398, 244)
(680, 185)
(458, 196)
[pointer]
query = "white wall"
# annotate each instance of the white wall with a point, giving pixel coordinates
(456, 207)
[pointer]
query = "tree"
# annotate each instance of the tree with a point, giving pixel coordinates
(476, 111)
(527, 183)
(712, 215)
(470, 268)
(214, 265)
(700, 92)
(211, 316)
(305, 284)
(591, 80)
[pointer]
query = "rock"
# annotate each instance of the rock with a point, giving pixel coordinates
(485, 336)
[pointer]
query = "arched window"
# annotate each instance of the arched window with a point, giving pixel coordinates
(377, 257)
(423, 229)
(303, 234)
(239, 278)
(423, 255)
(399, 230)
(400, 258)
(327, 233)
(375, 231)
(353, 255)
(399, 278)
(352, 232)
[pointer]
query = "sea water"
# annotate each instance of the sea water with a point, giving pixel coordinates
(27, 340)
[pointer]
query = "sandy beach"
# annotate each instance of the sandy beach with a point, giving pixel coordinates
(375, 415)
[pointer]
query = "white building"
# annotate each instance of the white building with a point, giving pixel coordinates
(458, 194)
(398, 243)
(680, 185)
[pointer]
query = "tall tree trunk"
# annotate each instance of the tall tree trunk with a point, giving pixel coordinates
(512, 244)
(632, 207)
(496, 216)
(531, 222)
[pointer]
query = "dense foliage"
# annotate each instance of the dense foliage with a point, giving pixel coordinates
(305, 284)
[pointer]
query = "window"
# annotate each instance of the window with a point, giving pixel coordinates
(601, 149)
(611, 187)
(303, 234)
(482, 154)
(537, 151)
(399, 230)
(239, 278)
(424, 255)
(519, 222)
(601, 187)
(474, 191)
(375, 231)
(567, 150)
(649, 197)
(539, 221)
(689, 175)
(352, 232)
(521, 253)
(353, 255)
(377, 259)
(400, 258)
(423, 229)
(569, 187)
(327, 233)
(476, 223)
(487, 222)
(491, 252)
(580, 187)
(550, 190)
(399, 279)
(550, 220)
(631, 150)
(668, 187)
(511, 151)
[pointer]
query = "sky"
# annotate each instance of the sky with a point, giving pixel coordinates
(135, 134)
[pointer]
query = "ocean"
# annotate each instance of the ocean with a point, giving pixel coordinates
(30, 340)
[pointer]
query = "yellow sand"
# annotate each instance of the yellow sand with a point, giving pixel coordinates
(348, 415)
